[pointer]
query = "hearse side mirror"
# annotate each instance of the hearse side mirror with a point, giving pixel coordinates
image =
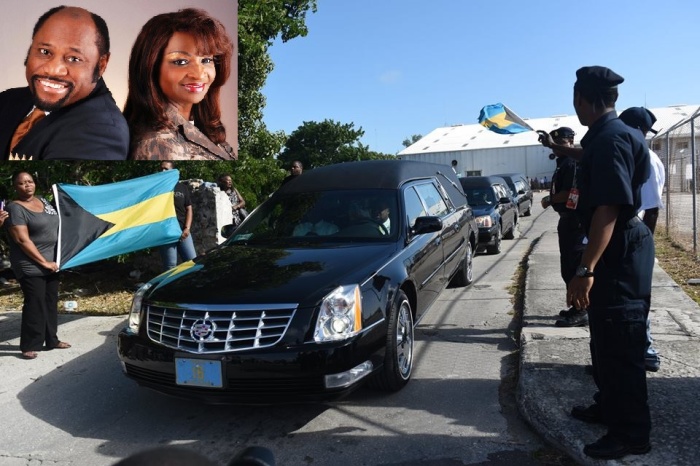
(426, 225)
(227, 230)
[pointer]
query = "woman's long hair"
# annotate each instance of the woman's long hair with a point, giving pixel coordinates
(146, 104)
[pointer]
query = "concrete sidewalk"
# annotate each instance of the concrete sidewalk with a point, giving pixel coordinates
(552, 378)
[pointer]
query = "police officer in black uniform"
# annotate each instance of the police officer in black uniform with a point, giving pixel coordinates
(614, 278)
(563, 197)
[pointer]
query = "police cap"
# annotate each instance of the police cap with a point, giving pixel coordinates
(597, 78)
(639, 117)
(563, 132)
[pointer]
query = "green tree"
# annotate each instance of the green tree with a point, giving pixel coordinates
(260, 22)
(316, 144)
(412, 140)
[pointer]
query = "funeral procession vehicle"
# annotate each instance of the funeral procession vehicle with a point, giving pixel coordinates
(521, 192)
(494, 208)
(316, 292)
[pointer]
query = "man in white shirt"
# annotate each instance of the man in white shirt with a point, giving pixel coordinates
(652, 193)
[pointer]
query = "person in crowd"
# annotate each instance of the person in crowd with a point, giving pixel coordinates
(613, 280)
(183, 210)
(33, 231)
(563, 198)
(652, 191)
(66, 111)
(454, 169)
(295, 170)
(237, 202)
(177, 67)
(652, 194)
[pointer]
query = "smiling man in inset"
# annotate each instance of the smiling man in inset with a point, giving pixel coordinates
(66, 112)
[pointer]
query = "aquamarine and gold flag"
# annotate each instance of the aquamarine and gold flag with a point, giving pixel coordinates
(500, 119)
(97, 222)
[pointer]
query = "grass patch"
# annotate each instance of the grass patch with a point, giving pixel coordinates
(104, 288)
(679, 262)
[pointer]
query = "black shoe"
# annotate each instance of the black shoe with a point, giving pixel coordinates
(652, 364)
(579, 319)
(568, 312)
(609, 448)
(592, 414)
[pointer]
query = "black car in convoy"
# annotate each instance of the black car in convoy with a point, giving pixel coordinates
(316, 291)
(521, 190)
(494, 209)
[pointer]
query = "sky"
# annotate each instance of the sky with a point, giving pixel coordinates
(396, 68)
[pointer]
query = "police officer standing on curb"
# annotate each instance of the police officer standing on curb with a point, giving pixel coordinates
(563, 197)
(614, 278)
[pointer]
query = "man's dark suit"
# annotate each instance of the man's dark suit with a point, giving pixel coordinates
(91, 129)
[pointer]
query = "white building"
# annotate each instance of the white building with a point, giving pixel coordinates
(479, 151)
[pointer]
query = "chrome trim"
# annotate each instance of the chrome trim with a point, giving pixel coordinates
(235, 327)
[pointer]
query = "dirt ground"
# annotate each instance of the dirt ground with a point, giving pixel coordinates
(104, 288)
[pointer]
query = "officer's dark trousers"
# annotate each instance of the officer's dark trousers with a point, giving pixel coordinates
(39, 313)
(620, 300)
(571, 245)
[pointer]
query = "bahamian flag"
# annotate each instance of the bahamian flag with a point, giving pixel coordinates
(97, 222)
(500, 119)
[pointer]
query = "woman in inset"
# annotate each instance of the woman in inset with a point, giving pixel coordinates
(33, 228)
(177, 67)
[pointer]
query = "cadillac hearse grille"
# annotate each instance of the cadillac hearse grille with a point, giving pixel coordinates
(217, 329)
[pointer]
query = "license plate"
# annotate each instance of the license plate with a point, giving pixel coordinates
(198, 373)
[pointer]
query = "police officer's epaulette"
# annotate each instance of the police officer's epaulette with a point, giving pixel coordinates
(18, 158)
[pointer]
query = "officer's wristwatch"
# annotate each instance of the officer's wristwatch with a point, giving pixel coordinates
(583, 271)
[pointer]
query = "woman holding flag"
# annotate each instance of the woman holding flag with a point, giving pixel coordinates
(33, 227)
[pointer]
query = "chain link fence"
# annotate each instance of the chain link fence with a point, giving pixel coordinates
(677, 147)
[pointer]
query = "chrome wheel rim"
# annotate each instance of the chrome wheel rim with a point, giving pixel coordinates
(468, 263)
(404, 340)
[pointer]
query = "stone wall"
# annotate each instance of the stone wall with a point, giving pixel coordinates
(211, 210)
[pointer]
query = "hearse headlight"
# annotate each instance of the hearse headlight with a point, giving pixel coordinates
(340, 316)
(484, 221)
(135, 314)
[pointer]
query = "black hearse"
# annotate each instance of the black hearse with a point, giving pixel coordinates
(317, 291)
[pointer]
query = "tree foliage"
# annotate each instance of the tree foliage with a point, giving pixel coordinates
(260, 22)
(255, 179)
(316, 144)
(412, 140)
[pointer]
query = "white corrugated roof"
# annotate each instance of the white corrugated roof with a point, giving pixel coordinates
(471, 137)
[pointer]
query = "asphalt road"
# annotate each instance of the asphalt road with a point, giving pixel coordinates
(74, 407)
